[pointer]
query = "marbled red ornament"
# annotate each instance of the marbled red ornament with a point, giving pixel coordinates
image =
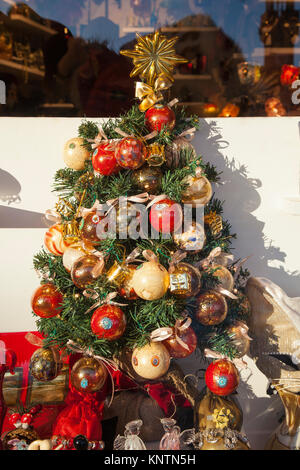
(104, 160)
(46, 301)
(222, 377)
(176, 349)
(289, 73)
(165, 216)
(130, 153)
(160, 116)
(108, 322)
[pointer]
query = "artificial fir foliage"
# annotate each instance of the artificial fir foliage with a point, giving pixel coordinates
(81, 189)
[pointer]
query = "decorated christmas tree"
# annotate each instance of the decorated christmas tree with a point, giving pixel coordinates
(137, 269)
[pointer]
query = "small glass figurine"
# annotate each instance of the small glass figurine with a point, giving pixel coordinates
(131, 439)
(171, 438)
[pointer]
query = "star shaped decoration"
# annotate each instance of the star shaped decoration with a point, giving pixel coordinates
(221, 417)
(154, 55)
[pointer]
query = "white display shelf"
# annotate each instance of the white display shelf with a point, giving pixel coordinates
(138, 29)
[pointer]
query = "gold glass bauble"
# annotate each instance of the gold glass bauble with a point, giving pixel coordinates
(75, 154)
(126, 290)
(86, 270)
(19, 439)
(88, 375)
(89, 226)
(239, 338)
(73, 253)
(150, 281)
(224, 276)
(148, 179)
(151, 361)
(211, 308)
(45, 364)
(185, 280)
(199, 190)
(179, 149)
(192, 239)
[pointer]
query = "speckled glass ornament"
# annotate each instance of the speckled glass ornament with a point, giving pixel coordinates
(130, 153)
(108, 322)
(174, 152)
(199, 190)
(211, 308)
(224, 276)
(148, 179)
(222, 377)
(88, 227)
(45, 364)
(192, 239)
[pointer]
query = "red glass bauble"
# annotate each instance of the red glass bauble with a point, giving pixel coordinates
(46, 301)
(130, 153)
(160, 116)
(165, 216)
(108, 322)
(104, 160)
(222, 377)
(176, 349)
(289, 73)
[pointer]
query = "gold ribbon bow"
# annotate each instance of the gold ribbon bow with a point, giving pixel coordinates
(238, 362)
(150, 95)
(161, 334)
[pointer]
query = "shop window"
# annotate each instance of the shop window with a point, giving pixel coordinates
(61, 58)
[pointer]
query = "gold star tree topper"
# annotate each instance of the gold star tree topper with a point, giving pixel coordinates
(154, 55)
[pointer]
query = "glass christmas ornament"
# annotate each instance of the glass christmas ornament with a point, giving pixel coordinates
(160, 117)
(185, 280)
(73, 253)
(104, 160)
(230, 110)
(131, 439)
(130, 153)
(224, 276)
(176, 349)
(151, 361)
(274, 107)
(108, 322)
(54, 240)
(289, 73)
(180, 148)
(171, 438)
(248, 73)
(238, 334)
(199, 190)
(222, 377)
(89, 227)
(126, 290)
(150, 281)
(88, 375)
(165, 216)
(75, 154)
(46, 301)
(148, 179)
(19, 439)
(80, 442)
(211, 308)
(155, 155)
(45, 364)
(192, 239)
(86, 270)
(210, 109)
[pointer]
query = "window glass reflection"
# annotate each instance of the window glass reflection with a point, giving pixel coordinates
(61, 58)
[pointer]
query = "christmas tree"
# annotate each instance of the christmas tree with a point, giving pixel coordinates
(138, 262)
